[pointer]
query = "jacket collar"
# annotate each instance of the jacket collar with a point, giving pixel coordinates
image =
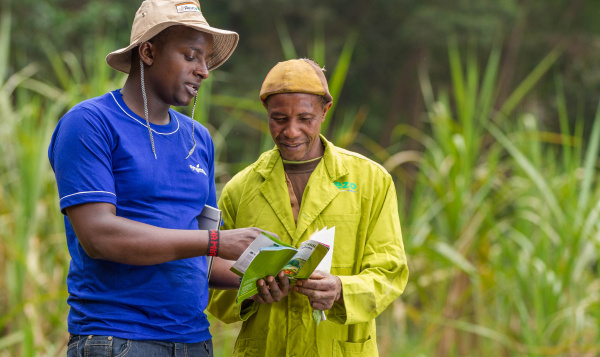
(274, 188)
(334, 165)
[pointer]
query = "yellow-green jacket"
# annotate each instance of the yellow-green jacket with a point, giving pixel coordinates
(347, 191)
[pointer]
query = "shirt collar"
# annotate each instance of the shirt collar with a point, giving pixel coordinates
(334, 165)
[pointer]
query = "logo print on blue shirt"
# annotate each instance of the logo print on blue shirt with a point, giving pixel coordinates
(198, 169)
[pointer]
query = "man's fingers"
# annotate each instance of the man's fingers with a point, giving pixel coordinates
(320, 284)
(321, 305)
(309, 293)
(319, 300)
(317, 275)
(263, 291)
(257, 298)
(284, 283)
(275, 293)
(269, 290)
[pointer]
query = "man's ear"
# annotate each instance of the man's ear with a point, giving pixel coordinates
(146, 52)
(326, 109)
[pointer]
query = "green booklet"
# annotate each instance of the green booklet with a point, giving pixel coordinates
(267, 256)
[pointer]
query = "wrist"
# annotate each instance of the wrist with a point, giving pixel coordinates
(213, 243)
(340, 295)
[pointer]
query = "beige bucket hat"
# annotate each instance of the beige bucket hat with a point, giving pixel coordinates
(153, 16)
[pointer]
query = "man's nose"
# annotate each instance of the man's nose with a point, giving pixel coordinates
(201, 70)
(292, 130)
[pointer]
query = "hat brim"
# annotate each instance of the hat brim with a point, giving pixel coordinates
(224, 43)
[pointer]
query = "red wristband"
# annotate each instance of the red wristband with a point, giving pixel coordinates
(213, 243)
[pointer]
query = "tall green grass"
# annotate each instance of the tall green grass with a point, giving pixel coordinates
(501, 229)
(34, 260)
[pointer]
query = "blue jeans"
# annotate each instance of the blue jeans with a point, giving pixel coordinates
(108, 346)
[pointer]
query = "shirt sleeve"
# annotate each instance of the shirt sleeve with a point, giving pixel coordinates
(383, 272)
(80, 155)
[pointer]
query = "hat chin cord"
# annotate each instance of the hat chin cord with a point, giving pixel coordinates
(148, 121)
(193, 137)
(146, 107)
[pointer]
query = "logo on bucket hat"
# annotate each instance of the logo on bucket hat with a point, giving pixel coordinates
(187, 6)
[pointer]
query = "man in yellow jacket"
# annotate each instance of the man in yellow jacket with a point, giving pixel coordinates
(302, 185)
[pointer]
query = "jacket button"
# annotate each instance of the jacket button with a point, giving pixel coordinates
(294, 309)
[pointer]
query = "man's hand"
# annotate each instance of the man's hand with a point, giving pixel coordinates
(270, 291)
(322, 290)
(233, 242)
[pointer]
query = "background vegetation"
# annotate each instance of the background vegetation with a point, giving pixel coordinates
(484, 111)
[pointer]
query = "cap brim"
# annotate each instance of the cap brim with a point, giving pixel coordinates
(224, 43)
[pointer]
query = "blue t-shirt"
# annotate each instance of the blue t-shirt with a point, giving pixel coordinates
(101, 152)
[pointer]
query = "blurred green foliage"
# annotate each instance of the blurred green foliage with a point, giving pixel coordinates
(394, 38)
(485, 113)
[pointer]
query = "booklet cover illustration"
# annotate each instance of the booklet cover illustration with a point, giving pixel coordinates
(267, 256)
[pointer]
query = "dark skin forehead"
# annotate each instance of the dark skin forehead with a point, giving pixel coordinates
(303, 101)
(322, 100)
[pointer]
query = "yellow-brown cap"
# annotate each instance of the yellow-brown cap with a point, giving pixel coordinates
(153, 16)
(295, 76)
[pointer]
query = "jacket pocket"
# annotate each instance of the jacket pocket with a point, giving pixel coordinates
(249, 347)
(347, 243)
(343, 348)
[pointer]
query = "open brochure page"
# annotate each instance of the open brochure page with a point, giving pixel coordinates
(327, 237)
(268, 262)
(263, 240)
(306, 260)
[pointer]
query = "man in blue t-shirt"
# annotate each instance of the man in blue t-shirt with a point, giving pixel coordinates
(132, 176)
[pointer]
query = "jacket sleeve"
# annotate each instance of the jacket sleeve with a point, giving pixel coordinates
(383, 271)
(221, 303)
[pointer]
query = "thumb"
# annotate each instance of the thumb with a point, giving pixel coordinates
(317, 275)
